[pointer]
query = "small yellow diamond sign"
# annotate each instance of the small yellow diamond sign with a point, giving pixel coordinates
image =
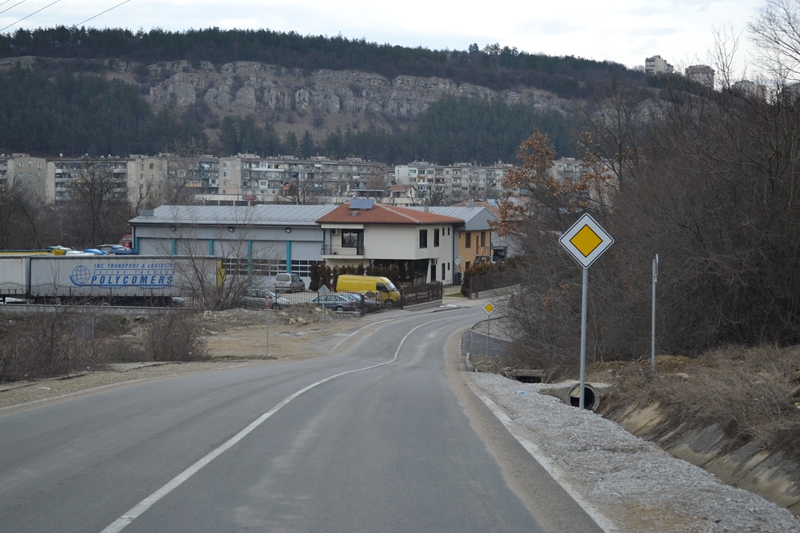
(586, 240)
(488, 308)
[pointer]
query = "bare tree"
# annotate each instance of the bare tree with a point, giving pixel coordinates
(178, 189)
(9, 199)
(243, 263)
(98, 210)
(299, 192)
(436, 195)
(37, 223)
(722, 58)
(776, 33)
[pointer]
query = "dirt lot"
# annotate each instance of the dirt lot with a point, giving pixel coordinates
(234, 337)
(295, 333)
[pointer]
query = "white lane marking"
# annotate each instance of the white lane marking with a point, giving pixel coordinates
(395, 319)
(120, 523)
(550, 466)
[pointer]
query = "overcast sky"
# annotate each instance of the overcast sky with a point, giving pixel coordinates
(681, 31)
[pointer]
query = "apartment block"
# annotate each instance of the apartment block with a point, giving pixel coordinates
(26, 173)
(452, 183)
(287, 179)
(657, 65)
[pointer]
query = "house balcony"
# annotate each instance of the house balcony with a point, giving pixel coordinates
(342, 252)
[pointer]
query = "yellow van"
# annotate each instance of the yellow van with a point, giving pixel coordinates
(383, 289)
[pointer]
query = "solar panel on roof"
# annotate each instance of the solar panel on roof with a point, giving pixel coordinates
(361, 203)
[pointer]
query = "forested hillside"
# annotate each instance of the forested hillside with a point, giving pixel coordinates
(97, 92)
(492, 66)
(452, 130)
(75, 115)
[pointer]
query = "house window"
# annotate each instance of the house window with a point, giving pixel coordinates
(443, 271)
(468, 240)
(436, 238)
(483, 239)
(351, 238)
(423, 238)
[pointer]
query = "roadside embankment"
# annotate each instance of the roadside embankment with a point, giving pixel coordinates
(733, 412)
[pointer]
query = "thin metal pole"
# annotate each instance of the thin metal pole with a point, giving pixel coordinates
(488, 322)
(266, 312)
(653, 325)
(584, 306)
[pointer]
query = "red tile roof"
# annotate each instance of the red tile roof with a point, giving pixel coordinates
(384, 214)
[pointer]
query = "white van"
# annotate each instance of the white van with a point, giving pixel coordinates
(289, 283)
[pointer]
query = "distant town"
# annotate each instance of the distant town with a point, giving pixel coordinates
(247, 179)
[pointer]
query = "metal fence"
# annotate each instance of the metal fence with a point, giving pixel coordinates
(417, 294)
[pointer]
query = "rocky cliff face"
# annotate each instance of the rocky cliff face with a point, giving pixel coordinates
(248, 87)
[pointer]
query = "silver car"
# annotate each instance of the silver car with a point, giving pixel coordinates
(256, 299)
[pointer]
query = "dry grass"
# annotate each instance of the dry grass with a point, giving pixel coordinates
(751, 393)
(68, 340)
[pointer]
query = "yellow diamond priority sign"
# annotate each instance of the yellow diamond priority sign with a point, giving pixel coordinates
(586, 240)
(488, 308)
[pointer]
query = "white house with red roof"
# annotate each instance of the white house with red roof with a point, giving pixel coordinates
(421, 243)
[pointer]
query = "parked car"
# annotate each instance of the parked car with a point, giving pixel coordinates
(117, 249)
(76, 252)
(289, 283)
(256, 298)
(339, 302)
(94, 251)
(369, 304)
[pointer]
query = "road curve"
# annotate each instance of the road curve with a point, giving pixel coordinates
(381, 435)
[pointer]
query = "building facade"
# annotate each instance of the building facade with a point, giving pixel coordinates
(438, 184)
(287, 179)
(657, 65)
(28, 174)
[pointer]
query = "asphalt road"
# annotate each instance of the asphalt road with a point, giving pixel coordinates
(380, 436)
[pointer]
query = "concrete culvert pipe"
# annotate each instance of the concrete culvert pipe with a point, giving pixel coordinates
(569, 392)
(591, 398)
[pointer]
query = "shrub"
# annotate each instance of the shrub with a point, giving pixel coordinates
(174, 336)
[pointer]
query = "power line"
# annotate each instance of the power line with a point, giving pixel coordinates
(104, 12)
(32, 14)
(48, 5)
(12, 7)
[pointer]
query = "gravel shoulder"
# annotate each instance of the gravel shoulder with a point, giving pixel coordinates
(630, 483)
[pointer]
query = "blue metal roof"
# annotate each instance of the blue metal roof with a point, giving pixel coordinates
(257, 215)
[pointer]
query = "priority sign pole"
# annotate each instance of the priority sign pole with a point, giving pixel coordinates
(585, 241)
(488, 308)
(584, 307)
